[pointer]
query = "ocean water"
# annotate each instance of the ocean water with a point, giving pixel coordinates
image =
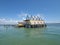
(11, 35)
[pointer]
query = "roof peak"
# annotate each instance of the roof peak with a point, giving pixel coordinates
(33, 17)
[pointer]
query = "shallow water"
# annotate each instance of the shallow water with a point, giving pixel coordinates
(10, 35)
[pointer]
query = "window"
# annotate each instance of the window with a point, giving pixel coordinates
(34, 22)
(38, 22)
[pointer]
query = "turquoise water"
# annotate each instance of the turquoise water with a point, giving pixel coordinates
(10, 35)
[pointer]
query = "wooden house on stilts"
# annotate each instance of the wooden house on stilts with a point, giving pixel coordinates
(33, 22)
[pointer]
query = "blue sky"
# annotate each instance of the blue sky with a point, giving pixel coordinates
(14, 9)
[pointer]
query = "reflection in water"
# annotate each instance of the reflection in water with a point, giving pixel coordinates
(34, 32)
(24, 32)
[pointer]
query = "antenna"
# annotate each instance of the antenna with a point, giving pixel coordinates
(27, 18)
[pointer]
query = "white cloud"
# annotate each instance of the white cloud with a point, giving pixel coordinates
(41, 15)
(21, 17)
(8, 21)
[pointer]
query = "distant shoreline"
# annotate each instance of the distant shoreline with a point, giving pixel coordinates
(52, 23)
